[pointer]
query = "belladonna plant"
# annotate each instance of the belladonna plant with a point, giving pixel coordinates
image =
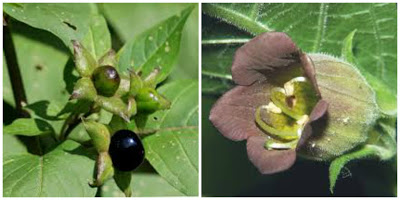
(120, 151)
(290, 103)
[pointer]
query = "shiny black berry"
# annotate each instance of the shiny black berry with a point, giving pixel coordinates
(126, 150)
(106, 80)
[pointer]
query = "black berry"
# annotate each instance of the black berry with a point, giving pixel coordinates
(126, 150)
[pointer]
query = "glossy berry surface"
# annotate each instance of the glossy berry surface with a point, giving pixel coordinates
(126, 150)
(106, 80)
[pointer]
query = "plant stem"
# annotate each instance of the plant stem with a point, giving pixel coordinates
(73, 120)
(99, 191)
(14, 72)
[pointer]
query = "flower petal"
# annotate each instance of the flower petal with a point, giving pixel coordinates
(233, 113)
(263, 56)
(309, 71)
(268, 161)
(318, 111)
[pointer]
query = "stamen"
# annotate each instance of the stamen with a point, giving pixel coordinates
(277, 145)
(289, 86)
(271, 107)
(303, 120)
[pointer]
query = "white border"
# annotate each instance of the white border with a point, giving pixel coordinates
(199, 76)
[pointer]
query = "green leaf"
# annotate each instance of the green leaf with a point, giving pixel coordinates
(216, 72)
(41, 57)
(367, 151)
(318, 28)
(98, 39)
(156, 47)
(386, 99)
(64, 171)
(173, 149)
(142, 185)
(66, 21)
(28, 127)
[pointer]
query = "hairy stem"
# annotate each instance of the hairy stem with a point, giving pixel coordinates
(14, 72)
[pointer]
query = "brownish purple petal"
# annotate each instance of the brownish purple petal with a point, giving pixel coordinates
(233, 113)
(268, 161)
(318, 111)
(263, 56)
(309, 71)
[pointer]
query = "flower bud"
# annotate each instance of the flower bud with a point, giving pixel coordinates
(106, 80)
(84, 89)
(99, 134)
(84, 61)
(148, 100)
(108, 59)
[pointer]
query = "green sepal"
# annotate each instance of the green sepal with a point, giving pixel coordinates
(132, 107)
(84, 61)
(84, 90)
(99, 134)
(123, 181)
(151, 80)
(136, 83)
(124, 87)
(114, 105)
(108, 59)
(104, 169)
(116, 124)
(148, 100)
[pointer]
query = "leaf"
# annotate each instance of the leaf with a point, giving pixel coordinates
(216, 75)
(98, 39)
(66, 21)
(364, 152)
(157, 47)
(320, 28)
(28, 127)
(41, 57)
(386, 99)
(173, 149)
(142, 185)
(64, 171)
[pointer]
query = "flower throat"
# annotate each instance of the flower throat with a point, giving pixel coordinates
(287, 113)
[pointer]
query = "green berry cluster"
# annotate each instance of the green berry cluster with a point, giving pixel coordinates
(123, 96)
(101, 83)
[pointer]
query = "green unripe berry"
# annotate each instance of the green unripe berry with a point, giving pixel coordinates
(106, 80)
